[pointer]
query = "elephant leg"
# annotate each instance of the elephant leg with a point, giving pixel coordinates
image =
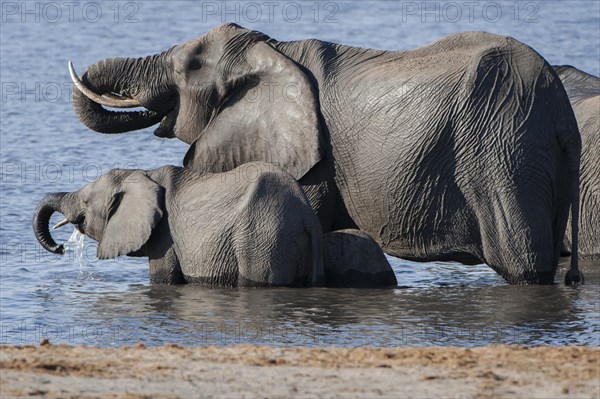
(166, 269)
(324, 197)
(560, 229)
(519, 242)
(320, 191)
(293, 260)
(277, 240)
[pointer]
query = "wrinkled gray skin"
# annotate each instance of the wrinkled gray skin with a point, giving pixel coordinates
(584, 92)
(466, 149)
(354, 259)
(250, 227)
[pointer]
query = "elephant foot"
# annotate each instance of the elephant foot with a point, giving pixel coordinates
(574, 277)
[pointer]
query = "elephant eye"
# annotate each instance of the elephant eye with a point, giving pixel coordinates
(194, 64)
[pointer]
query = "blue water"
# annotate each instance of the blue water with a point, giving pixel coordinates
(44, 148)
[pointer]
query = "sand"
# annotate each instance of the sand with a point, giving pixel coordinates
(255, 371)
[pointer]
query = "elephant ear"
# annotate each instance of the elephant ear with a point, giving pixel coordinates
(271, 114)
(133, 212)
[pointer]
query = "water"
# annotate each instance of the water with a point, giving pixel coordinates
(76, 246)
(79, 300)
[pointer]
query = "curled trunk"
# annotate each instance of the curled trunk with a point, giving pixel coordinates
(126, 76)
(41, 218)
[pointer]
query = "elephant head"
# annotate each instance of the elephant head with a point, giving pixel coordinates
(229, 93)
(119, 210)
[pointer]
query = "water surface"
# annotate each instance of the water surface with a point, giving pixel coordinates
(44, 148)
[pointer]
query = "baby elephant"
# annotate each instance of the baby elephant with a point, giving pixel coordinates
(252, 226)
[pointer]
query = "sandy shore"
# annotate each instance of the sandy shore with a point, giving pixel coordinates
(253, 371)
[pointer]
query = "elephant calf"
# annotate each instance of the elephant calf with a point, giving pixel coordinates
(252, 226)
(249, 227)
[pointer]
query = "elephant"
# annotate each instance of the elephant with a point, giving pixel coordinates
(251, 227)
(583, 90)
(354, 259)
(464, 150)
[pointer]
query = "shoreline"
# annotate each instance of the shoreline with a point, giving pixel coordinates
(258, 371)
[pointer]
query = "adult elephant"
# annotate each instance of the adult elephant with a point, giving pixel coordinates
(466, 149)
(584, 92)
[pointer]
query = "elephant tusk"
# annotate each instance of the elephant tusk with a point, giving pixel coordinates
(60, 224)
(108, 99)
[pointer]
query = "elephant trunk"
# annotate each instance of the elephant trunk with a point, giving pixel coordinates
(134, 81)
(41, 218)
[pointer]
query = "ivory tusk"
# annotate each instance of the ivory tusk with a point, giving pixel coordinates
(60, 224)
(108, 99)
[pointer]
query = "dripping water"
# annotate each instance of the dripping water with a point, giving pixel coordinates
(76, 249)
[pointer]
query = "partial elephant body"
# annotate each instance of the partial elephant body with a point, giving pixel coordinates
(250, 227)
(466, 149)
(255, 229)
(441, 159)
(353, 259)
(584, 92)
